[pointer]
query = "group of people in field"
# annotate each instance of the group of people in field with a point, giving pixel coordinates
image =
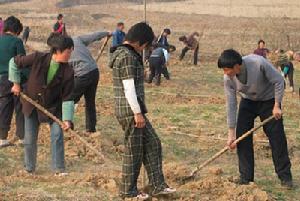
(58, 78)
(283, 62)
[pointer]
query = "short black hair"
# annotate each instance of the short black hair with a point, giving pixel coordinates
(120, 24)
(229, 58)
(60, 16)
(182, 38)
(261, 41)
(167, 31)
(140, 32)
(13, 25)
(58, 42)
(0, 18)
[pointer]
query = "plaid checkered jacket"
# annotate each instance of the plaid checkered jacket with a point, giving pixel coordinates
(126, 64)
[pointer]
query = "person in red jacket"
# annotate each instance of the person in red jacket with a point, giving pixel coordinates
(59, 26)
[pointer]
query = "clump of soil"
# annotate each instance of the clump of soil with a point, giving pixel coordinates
(213, 186)
(101, 181)
(221, 189)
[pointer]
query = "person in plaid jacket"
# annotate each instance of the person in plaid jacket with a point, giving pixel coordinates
(142, 145)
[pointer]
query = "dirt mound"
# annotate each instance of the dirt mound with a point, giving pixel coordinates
(221, 189)
(213, 186)
(98, 181)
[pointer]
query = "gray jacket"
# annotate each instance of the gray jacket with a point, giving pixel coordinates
(264, 82)
(81, 58)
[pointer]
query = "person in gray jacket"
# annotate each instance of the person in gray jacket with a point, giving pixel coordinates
(86, 75)
(261, 87)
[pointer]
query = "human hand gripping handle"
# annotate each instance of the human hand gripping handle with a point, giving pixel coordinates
(16, 89)
(139, 120)
(231, 138)
(277, 112)
(67, 125)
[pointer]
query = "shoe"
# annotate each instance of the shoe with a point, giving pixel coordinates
(90, 131)
(26, 172)
(287, 184)
(166, 191)
(157, 81)
(20, 142)
(5, 143)
(61, 174)
(243, 181)
(75, 106)
(140, 196)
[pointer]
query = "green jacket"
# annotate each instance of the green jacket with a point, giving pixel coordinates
(11, 46)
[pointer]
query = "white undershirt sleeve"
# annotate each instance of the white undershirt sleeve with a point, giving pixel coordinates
(166, 54)
(130, 94)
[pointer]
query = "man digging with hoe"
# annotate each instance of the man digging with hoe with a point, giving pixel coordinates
(261, 87)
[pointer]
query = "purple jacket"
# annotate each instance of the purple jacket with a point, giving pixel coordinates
(261, 52)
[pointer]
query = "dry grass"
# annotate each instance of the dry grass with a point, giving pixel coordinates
(173, 114)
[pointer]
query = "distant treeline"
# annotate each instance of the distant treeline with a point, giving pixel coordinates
(70, 3)
(10, 1)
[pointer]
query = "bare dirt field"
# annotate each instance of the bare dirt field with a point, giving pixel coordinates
(230, 8)
(188, 112)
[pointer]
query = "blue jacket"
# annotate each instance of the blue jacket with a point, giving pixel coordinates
(163, 41)
(118, 38)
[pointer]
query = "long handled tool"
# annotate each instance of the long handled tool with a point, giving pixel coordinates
(102, 48)
(54, 118)
(225, 149)
(159, 37)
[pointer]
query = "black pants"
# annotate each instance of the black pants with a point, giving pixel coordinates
(9, 103)
(157, 67)
(186, 49)
(86, 86)
(274, 130)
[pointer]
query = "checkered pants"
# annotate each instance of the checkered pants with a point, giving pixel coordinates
(142, 146)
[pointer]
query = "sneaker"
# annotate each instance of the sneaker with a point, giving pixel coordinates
(5, 143)
(76, 106)
(26, 172)
(166, 191)
(287, 184)
(140, 196)
(20, 143)
(61, 174)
